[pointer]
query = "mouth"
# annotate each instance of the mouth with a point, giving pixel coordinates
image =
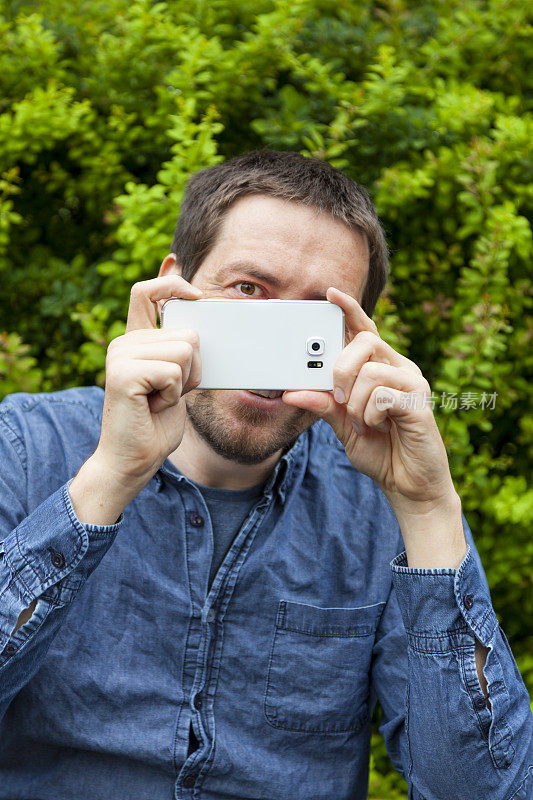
(259, 399)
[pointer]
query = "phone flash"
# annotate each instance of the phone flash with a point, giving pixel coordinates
(315, 364)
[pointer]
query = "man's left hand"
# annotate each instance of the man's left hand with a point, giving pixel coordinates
(381, 413)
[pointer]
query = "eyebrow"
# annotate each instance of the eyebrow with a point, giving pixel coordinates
(255, 272)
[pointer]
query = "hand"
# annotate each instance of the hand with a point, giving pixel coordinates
(396, 443)
(148, 370)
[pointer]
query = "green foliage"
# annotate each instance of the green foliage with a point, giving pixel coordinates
(18, 370)
(107, 108)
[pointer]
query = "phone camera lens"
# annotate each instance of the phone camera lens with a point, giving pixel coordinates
(315, 345)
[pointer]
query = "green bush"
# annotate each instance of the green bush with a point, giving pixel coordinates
(107, 108)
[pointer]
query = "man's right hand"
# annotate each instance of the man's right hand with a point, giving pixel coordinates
(148, 370)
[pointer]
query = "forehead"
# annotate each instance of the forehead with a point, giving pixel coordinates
(292, 238)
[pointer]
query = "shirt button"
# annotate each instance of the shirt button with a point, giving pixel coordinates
(196, 520)
(58, 559)
(468, 600)
(10, 649)
(210, 616)
(480, 702)
(189, 781)
(197, 702)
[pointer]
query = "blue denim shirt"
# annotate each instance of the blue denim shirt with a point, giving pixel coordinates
(312, 617)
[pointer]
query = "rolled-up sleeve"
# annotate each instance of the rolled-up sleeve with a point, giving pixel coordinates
(456, 746)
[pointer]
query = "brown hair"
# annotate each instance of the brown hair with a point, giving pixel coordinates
(287, 176)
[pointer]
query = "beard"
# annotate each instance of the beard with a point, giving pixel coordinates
(240, 433)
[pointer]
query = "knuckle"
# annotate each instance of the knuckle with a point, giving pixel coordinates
(370, 370)
(413, 367)
(341, 375)
(366, 337)
(193, 336)
(188, 350)
(112, 349)
(352, 410)
(136, 288)
(176, 373)
(422, 384)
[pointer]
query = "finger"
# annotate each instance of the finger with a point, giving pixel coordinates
(169, 393)
(375, 415)
(386, 403)
(153, 345)
(163, 351)
(156, 376)
(186, 354)
(366, 346)
(154, 336)
(319, 402)
(142, 311)
(374, 374)
(355, 318)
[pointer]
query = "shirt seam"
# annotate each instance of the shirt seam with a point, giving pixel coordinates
(41, 397)
(522, 783)
(21, 456)
(15, 439)
(325, 634)
(424, 632)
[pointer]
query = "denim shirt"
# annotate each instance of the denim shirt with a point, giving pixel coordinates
(312, 617)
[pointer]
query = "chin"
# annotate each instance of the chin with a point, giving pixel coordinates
(247, 436)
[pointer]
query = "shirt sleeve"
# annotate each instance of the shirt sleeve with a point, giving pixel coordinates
(45, 555)
(439, 732)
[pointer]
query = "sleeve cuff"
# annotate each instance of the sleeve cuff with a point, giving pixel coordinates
(441, 601)
(50, 544)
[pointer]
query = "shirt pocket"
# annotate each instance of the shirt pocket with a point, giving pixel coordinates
(318, 673)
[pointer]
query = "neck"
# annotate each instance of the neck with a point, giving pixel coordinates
(200, 463)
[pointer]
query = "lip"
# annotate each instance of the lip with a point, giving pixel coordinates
(264, 403)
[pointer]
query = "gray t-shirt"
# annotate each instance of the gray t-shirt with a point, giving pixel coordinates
(228, 508)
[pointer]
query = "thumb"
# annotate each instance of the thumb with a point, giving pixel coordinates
(321, 403)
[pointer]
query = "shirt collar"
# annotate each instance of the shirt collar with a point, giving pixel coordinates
(279, 482)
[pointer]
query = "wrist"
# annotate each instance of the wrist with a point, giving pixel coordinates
(446, 504)
(432, 531)
(125, 483)
(98, 494)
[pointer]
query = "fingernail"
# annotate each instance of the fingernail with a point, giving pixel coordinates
(356, 429)
(338, 394)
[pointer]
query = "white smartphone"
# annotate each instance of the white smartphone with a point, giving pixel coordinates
(262, 344)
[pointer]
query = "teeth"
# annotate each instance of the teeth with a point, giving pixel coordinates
(266, 394)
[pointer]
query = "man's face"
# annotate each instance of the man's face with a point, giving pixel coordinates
(298, 253)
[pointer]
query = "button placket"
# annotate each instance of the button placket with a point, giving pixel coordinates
(190, 780)
(220, 593)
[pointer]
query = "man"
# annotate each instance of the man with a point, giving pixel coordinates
(204, 593)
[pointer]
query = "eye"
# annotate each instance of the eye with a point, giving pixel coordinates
(248, 285)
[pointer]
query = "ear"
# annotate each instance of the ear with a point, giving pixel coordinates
(169, 265)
